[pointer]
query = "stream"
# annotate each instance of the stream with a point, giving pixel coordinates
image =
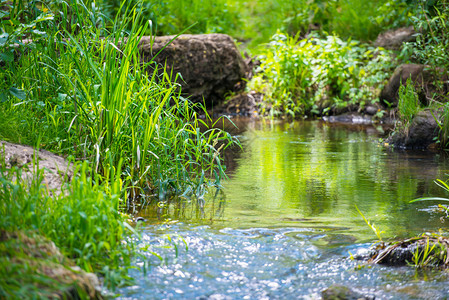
(285, 223)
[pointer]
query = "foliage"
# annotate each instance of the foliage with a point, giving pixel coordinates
(78, 87)
(443, 125)
(170, 17)
(284, 75)
(318, 74)
(408, 103)
(82, 219)
(431, 46)
(255, 22)
(262, 19)
(91, 97)
(364, 20)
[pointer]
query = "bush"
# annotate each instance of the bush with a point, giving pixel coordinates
(317, 74)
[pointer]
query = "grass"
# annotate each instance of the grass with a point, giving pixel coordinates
(79, 88)
(83, 220)
(92, 98)
(408, 103)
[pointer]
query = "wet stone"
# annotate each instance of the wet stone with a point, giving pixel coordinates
(341, 292)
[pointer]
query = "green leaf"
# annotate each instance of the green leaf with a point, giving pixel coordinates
(3, 38)
(17, 93)
(38, 32)
(7, 56)
(3, 13)
(3, 97)
(429, 199)
(44, 17)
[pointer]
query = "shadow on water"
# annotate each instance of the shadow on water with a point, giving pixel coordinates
(285, 220)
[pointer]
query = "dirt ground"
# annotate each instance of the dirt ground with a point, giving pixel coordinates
(56, 169)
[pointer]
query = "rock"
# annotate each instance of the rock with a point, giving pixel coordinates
(352, 118)
(423, 78)
(421, 133)
(400, 256)
(401, 253)
(243, 104)
(210, 64)
(341, 292)
(56, 169)
(29, 258)
(393, 39)
(364, 254)
(371, 110)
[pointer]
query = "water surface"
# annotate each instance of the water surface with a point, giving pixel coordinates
(285, 222)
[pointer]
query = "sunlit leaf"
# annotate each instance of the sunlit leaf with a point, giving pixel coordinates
(3, 38)
(38, 32)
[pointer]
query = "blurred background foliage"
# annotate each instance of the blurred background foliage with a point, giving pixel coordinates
(254, 22)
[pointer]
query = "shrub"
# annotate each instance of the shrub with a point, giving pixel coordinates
(316, 74)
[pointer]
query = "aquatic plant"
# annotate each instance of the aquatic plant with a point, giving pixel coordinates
(442, 184)
(436, 249)
(424, 257)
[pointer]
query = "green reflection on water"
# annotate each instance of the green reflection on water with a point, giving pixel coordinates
(311, 174)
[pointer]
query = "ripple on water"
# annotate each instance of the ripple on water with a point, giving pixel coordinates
(259, 263)
(291, 221)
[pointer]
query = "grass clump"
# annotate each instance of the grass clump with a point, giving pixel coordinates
(74, 83)
(317, 75)
(408, 103)
(83, 219)
(87, 93)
